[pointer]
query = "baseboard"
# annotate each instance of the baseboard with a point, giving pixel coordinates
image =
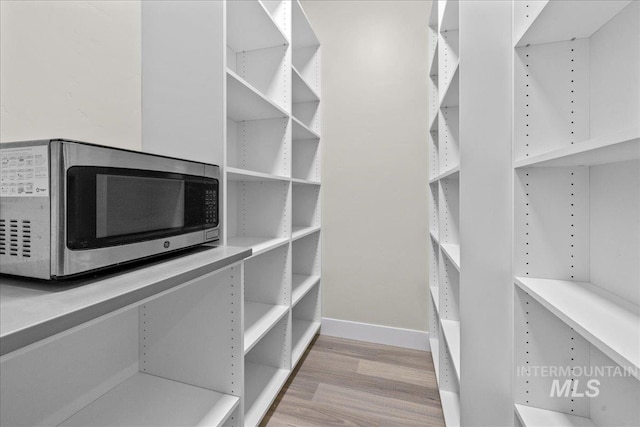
(398, 337)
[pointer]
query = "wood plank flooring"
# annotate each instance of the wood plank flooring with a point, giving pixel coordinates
(343, 382)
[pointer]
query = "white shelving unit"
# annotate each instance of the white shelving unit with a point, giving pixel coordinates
(266, 293)
(306, 208)
(306, 189)
(306, 292)
(167, 360)
(273, 187)
(250, 72)
(301, 284)
(302, 91)
(258, 193)
(305, 321)
(255, 25)
(609, 322)
(302, 131)
(470, 201)
(258, 244)
(245, 102)
(240, 175)
(451, 332)
(259, 318)
(266, 382)
(576, 208)
(306, 263)
(453, 173)
(267, 367)
(613, 148)
(549, 21)
(443, 193)
(530, 416)
(306, 123)
(257, 210)
(434, 331)
(535, 217)
(305, 181)
(258, 49)
(453, 253)
(123, 406)
(450, 407)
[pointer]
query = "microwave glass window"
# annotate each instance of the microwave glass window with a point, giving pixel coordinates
(116, 206)
(131, 204)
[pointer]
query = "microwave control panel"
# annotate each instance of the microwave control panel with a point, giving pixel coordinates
(211, 206)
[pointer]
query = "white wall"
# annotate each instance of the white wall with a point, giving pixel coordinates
(374, 112)
(70, 69)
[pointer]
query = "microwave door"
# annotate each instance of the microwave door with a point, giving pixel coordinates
(117, 214)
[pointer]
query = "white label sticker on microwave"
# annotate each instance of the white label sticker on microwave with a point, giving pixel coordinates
(24, 171)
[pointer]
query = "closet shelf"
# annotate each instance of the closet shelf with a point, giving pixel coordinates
(303, 332)
(450, 407)
(453, 173)
(259, 318)
(263, 384)
(606, 149)
(435, 296)
(565, 20)
(449, 18)
(435, 355)
(433, 126)
(434, 237)
(433, 17)
(450, 97)
(602, 318)
(302, 91)
(258, 244)
(251, 27)
(302, 131)
(453, 253)
(298, 232)
(301, 284)
(297, 181)
(235, 174)
(433, 67)
(147, 400)
(244, 102)
(536, 417)
(451, 332)
(304, 34)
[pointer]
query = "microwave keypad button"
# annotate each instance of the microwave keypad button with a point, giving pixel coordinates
(211, 234)
(211, 206)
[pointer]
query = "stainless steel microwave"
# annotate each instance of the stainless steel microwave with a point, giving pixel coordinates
(68, 207)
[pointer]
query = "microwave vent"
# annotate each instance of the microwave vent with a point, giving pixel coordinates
(15, 237)
(26, 238)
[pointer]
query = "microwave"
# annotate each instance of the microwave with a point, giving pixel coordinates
(68, 207)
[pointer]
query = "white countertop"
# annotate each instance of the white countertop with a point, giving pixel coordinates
(31, 310)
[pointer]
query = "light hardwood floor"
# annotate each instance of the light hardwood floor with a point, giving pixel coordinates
(352, 383)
